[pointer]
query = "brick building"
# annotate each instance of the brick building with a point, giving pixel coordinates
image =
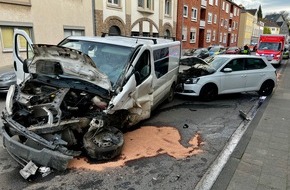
(202, 23)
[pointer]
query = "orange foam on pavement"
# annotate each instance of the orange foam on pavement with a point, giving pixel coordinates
(145, 142)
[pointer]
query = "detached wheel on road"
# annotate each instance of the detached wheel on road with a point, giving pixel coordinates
(208, 92)
(104, 145)
(266, 88)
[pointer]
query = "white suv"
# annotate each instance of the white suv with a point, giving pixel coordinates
(225, 74)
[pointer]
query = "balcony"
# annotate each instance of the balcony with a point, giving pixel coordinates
(231, 15)
(201, 23)
(203, 3)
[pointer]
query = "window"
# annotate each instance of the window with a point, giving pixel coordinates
(194, 14)
(161, 61)
(222, 22)
(7, 33)
(235, 38)
(237, 25)
(232, 39)
(185, 11)
(208, 35)
(184, 34)
(226, 23)
(146, 4)
(227, 8)
(114, 2)
(235, 11)
(213, 35)
(225, 38)
(253, 63)
(168, 7)
(234, 25)
(221, 37)
(210, 2)
(238, 12)
(142, 67)
(216, 2)
(215, 18)
(192, 35)
(223, 5)
(209, 19)
(236, 65)
(73, 32)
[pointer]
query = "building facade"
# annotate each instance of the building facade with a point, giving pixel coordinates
(136, 18)
(46, 21)
(203, 23)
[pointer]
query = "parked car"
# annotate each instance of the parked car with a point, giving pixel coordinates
(215, 50)
(199, 52)
(227, 74)
(79, 95)
(233, 50)
(286, 51)
(7, 78)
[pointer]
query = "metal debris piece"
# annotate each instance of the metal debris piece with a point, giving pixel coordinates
(28, 170)
(244, 115)
(44, 171)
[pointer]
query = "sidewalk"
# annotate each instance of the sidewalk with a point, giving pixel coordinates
(261, 161)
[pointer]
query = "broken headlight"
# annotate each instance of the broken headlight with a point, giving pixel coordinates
(192, 81)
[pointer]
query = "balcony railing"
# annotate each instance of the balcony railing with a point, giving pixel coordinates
(203, 3)
(201, 23)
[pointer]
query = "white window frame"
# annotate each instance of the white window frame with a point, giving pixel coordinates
(192, 35)
(209, 18)
(194, 14)
(226, 23)
(217, 2)
(213, 35)
(210, 2)
(208, 36)
(184, 34)
(215, 18)
(227, 8)
(232, 39)
(235, 11)
(234, 25)
(221, 37)
(235, 37)
(225, 38)
(146, 4)
(167, 9)
(185, 11)
(115, 3)
(222, 22)
(223, 5)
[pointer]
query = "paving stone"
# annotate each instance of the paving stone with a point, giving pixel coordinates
(273, 181)
(242, 180)
(250, 168)
(269, 169)
(257, 160)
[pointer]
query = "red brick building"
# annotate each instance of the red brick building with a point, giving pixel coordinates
(202, 23)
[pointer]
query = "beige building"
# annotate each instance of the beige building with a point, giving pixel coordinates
(46, 21)
(246, 28)
(131, 17)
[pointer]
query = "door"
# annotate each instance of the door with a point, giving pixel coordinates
(234, 81)
(22, 53)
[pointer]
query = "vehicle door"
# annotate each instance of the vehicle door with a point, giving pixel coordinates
(235, 80)
(256, 73)
(22, 53)
(137, 93)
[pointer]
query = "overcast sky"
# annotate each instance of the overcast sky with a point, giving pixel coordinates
(268, 6)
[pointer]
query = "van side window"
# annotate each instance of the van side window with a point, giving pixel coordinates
(142, 67)
(161, 61)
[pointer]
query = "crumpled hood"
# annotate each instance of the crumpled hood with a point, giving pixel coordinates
(59, 61)
(194, 68)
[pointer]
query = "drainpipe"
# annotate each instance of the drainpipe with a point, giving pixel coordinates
(94, 17)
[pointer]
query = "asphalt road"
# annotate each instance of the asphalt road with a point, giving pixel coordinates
(213, 123)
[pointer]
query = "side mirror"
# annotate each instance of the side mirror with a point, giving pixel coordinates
(25, 66)
(227, 70)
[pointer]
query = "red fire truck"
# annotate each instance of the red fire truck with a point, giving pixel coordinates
(271, 46)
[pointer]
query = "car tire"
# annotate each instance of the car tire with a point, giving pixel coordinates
(266, 88)
(104, 145)
(208, 92)
(171, 94)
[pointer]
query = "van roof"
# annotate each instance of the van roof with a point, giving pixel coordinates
(122, 40)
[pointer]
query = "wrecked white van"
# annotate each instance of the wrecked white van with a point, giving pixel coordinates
(76, 97)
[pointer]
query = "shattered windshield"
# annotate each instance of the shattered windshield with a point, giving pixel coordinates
(109, 59)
